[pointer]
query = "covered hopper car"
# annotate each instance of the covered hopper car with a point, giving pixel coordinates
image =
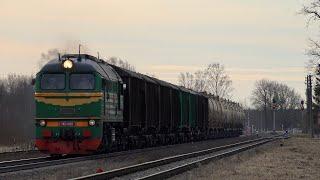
(85, 105)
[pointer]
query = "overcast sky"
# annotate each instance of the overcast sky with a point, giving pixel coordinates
(254, 39)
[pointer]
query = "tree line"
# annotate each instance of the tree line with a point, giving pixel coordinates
(16, 109)
(267, 93)
(268, 96)
(284, 119)
(215, 80)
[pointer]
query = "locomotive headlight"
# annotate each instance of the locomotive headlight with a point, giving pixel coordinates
(67, 64)
(42, 123)
(92, 122)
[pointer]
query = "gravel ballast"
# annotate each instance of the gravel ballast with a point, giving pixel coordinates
(89, 167)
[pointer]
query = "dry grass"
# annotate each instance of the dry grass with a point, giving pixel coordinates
(298, 158)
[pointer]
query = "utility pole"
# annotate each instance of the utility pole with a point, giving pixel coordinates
(261, 120)
(274, 120)
(248, 125)
(274, 107)
(309, 104)
(302, 108)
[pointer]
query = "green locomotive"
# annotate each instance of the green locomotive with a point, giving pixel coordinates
(74, 95)
(85, 105)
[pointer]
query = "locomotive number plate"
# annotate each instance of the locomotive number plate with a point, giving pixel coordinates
(66, 123)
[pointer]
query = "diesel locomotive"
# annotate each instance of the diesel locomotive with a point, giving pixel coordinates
(85, 105)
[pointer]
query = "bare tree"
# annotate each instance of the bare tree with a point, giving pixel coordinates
(2, 93)
(212, 79)
(260, 94)
(266, 91)
(314, 51)
(200, 79)
(312, 12)
(288, 98)
(121, 63)
(186, 80)
(218, 81)
(260, 97)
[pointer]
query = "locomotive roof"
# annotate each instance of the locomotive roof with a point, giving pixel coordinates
(128, 73)
(83, 63)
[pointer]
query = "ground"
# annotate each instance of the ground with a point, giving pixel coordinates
(295, 158)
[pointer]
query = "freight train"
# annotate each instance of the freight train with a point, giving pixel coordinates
(85, 105)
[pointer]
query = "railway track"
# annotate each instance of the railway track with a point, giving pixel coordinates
(19, 151)
(32, 163)
(167, 167)
(39, 162)
(170, 166)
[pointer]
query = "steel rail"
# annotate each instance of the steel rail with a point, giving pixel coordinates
(23, 161)
(151, 164)
(188, 166)
(19, 151)
(32, 163)
(191, 165)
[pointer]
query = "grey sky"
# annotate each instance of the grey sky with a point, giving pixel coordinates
(254, 39)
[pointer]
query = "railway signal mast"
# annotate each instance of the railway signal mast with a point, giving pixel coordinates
(309, 104)
(274, 107)
(302, 109)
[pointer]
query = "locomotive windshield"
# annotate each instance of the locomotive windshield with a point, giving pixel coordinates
(52, 81)
(81, 81)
